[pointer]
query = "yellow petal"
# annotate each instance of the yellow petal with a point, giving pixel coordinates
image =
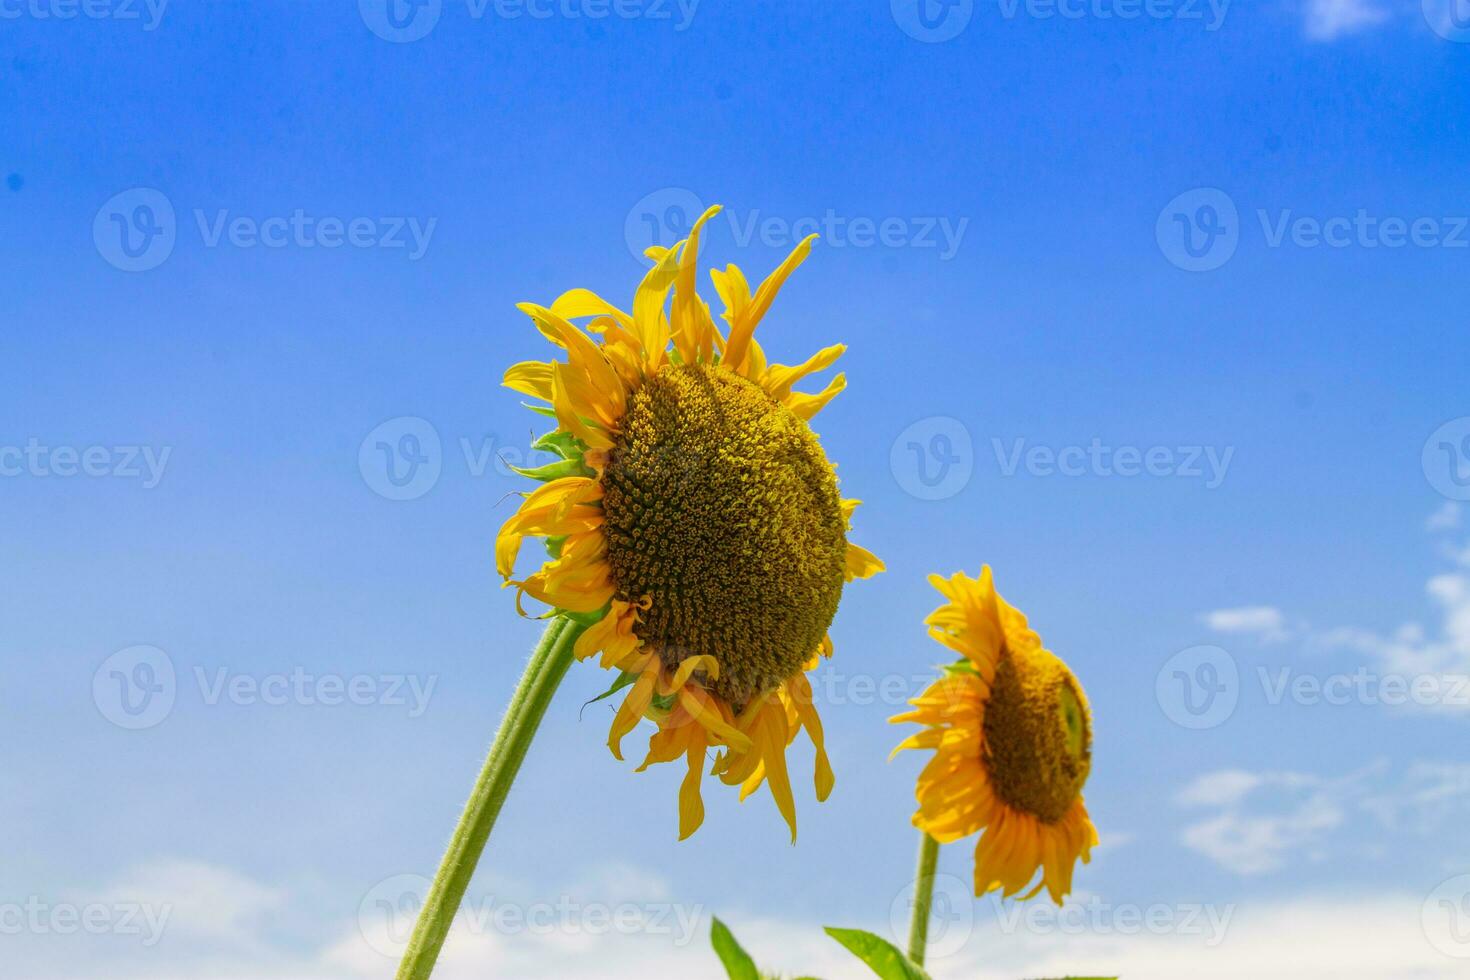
(862, 563)
(531, 378)
(649, 323)
(744, 324)
(576, 303)
(805, 406)
(779, 378)
(633, 706)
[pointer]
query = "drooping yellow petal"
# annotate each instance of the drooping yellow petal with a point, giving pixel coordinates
(800, 690)
(633, 706)
(555, 508)
(773, 757)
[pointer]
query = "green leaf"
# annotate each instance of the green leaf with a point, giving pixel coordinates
(882, 957)
(738, 963)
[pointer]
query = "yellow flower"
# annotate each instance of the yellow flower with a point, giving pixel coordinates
(693, 520)
(1013, 745)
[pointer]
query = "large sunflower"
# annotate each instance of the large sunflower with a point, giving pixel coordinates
(693, 521)
(1013, 745)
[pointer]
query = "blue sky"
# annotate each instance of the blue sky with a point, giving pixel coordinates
(1218, 248)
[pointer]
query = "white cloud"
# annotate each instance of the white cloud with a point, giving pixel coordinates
(1264, 622)
(1252, 842)
(1327, 20)
(1434, 662)
(1264, 821)
(1376, 937)
(1447, 518)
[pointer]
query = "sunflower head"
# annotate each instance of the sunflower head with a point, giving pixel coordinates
(1013, 745)
(693, 520)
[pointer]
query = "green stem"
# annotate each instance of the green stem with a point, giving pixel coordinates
(528, 705)
(923, 897)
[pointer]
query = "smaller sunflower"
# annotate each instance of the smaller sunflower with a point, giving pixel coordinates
(1013, 745)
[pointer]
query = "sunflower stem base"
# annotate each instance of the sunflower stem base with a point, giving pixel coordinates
(923, 897)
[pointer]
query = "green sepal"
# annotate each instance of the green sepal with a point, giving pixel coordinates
(958, 667)
(624, 680)
(545, 410)
(554, 546)
(665, 702)
(737, 962)
(586, 618)
(882, 957)
(557, 470)
(563, 444)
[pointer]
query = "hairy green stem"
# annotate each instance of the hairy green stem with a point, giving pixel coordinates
(923, 897)
(527, 707)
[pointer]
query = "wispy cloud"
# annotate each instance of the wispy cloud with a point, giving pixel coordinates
(1437, 655)
(1268, 820)
(1248, 840)
(1369, 937)
(1328, 20)
(1447, 518)
(1264, 622)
